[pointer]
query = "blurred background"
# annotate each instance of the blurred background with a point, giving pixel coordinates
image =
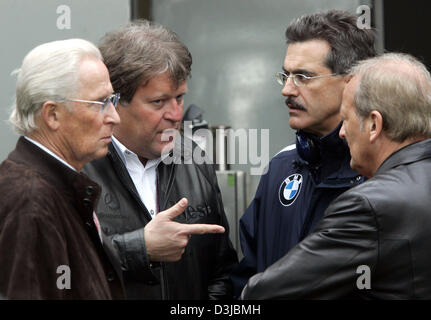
(237, 47)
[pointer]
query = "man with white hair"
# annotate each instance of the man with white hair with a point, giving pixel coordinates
(374, 240)
(50, 247)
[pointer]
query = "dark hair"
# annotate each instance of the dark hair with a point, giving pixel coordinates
(141, 50)
(349, 43)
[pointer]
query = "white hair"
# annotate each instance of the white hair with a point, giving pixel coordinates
(49, 72)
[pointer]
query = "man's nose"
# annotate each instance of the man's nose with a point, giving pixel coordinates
(111, 115)
(289, 88)
(342, 132)
(175, 110)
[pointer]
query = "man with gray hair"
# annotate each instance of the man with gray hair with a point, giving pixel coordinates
(50, 247)
(374, 240)
(148, 168)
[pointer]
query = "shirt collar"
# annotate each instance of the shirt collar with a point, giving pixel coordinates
(41, 146)
(125, 153)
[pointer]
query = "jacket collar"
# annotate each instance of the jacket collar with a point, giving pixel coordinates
(182, 151)
(334, 163)
(329, 146)
(411, 153)
(29, 154)
(130, 158)
(122, 172)
(41, 146)
(73, 183)
(332, 145)
(124, 176)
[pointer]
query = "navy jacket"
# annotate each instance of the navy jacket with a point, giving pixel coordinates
(291, 198)
(373, 242)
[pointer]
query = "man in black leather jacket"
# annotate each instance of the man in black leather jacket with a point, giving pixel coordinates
(147, 170)
(374, 240)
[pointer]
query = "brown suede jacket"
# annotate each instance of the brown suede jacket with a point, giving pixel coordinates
(49, 244)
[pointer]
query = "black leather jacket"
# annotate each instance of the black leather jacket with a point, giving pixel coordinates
(203, 271)
(378, 230)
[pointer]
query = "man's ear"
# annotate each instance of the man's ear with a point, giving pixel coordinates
(375, 123)
(347, 78)
(50, 114)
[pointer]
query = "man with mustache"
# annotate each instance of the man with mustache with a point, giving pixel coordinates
(304, 178)
(148, 169)
(374, 240)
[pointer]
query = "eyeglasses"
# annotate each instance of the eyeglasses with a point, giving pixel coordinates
(299, 80)
(113, 98)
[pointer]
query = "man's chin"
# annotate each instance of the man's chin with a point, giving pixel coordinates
(165, 148)
(296, 125)
(359, 169)
(99, 153)
(102, 152)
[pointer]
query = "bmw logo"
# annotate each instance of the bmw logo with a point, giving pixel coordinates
(289, 189)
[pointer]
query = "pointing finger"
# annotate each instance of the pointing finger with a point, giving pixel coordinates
(201, 228)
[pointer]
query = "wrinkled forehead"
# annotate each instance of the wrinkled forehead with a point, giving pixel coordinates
(308, 55)
(93, 79)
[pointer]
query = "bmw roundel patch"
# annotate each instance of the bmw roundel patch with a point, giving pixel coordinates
(289, 189)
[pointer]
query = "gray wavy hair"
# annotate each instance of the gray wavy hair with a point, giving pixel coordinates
(349, 44)
(49, 72)
(140, 50)
(399, 87)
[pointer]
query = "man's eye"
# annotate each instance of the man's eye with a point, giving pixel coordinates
(180, 98)
(158, 102)
(301, 78)
(96, 106)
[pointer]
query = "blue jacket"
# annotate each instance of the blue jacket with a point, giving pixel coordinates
(291, 198)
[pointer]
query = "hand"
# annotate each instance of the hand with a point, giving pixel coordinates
(166, 240)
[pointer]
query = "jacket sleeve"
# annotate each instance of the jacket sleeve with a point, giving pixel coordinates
(325, 264)
(130, 246)
(133, 255)
(248, 237)
(220, 286)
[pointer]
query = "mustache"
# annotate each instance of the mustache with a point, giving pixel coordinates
(293, 104)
